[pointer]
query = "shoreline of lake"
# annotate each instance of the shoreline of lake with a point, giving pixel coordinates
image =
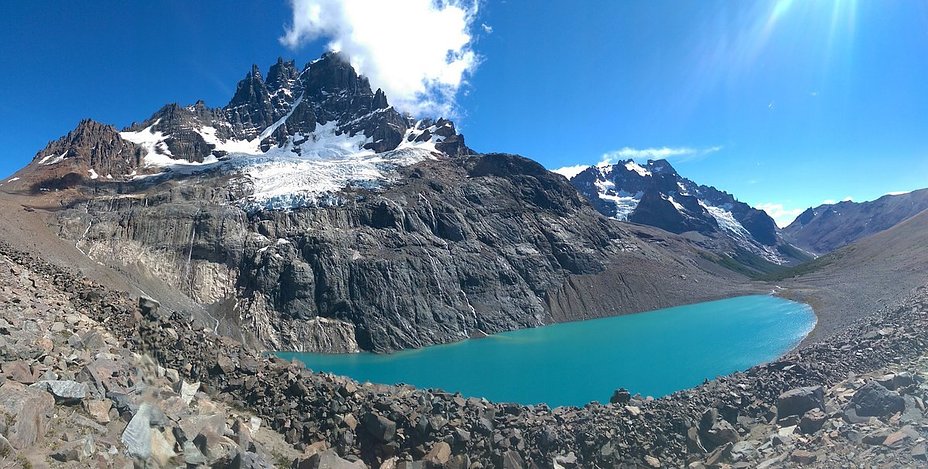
(769, 327)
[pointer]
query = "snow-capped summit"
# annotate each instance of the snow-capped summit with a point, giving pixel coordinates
(655, 194)
(288, 139)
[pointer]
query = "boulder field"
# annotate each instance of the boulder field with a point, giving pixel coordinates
(93, 377)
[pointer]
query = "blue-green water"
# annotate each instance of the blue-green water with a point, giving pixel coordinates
(653, 353)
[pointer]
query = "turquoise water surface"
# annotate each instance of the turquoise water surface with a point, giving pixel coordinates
(653, 353)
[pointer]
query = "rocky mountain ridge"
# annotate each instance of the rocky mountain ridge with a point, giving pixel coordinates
(323, 125)
(828, 227)
(655, 194)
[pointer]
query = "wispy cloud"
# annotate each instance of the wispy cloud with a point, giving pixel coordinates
(662, 153)
(780, 214)
(419, 51)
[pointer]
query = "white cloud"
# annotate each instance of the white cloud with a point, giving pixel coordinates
(780, 214)
(418, 51)
(663, 153)
(570, 171)
(487, 28)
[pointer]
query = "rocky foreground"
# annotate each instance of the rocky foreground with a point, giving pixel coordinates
(90, 378)
(73, 395)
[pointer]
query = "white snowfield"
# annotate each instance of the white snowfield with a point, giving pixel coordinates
(570, 171)
(305, 170)
(49, 160)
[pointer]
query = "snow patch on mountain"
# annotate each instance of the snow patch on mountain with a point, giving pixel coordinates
(676, 204)
(727, 221)
(49, 160)
(632, 166)
(570, 171)
(282, 182)
(625, 203)
(248, 147)
(305, 170)
(157, 153)
(309, 170)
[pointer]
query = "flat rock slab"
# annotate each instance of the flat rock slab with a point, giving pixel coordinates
(64, 390)
(330, 460)
(800, 400)
(19, 371)
(28, 407)
(137, 435)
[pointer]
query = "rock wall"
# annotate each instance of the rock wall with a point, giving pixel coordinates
(459, 247)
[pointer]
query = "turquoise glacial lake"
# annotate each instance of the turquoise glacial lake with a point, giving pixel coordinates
(654, 353)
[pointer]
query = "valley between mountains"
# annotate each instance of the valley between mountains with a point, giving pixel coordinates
(310, 215)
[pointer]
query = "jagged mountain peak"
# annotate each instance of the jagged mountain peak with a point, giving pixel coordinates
(255, 73)
(654, 193)
(290, 139)
(92, 151)
(86, 135)
(333, 73)
(88, 126)
(282, 74)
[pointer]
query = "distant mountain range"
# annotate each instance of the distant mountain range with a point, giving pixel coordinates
(655, 194)
(829, 227)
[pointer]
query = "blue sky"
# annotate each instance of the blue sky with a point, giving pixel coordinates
(786, 103)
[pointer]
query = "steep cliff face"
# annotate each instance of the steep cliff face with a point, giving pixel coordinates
(308, 214)
(459, 248)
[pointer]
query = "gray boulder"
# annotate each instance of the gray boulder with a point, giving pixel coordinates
(720, 433)
(65, 391)
(511, 460)
(381, 428)
(26, 412)
(621, 396)
(714, 432)
(137, 435)
(800, 400)
(329, 460)
(812, 421)
(874, 400)
(896, 381)
(148, 306)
